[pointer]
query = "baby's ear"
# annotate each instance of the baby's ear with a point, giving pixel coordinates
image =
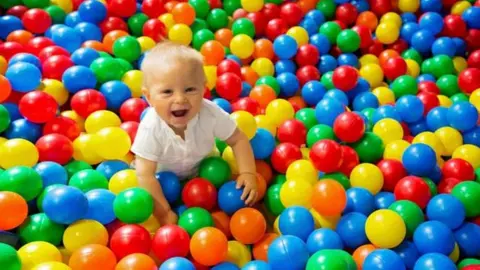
(146, 94)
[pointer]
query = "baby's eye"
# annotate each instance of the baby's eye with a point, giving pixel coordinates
(167, 92)
(190, 89)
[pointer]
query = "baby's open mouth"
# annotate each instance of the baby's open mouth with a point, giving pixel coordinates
(179, 113)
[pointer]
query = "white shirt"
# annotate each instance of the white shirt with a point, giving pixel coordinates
(156, 141)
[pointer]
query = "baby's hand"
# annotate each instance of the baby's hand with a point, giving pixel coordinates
(168, 219)
(250, 193)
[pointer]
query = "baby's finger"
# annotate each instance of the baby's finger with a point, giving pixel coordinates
(240, 183)
(245, 192)
(251, 198)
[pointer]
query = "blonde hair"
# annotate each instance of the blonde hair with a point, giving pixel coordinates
(167, 53)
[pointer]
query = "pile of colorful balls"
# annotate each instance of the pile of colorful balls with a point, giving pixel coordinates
(363, 116)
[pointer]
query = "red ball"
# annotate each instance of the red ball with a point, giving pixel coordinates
(170, 241)
(307, 55)
(326, 156)
(215, 4)
(292, 131)
(399, 45)
(429, 101)
(447, 184)
(199, 192)
(473, 39)
(55, 66)
(307, 73)
(350, 160)
(345, 78)
(474, 59)
(380, 7)
(292, 13)
(429, 87)
(17, 11)
(37, 44)
(454, 26)
(469, 80)
(229, 65)
(275, 28)
(131, 128)
(130, 239)
(458, 168)
(113, 226)
(365, 35)
(113, 23)
(10, 48)
(414, 189)
(132, 109)
(77, 3)
(392, 171)
(36, 20)
(394, 67)
(349, 127)
(153, 8)
(62, 125)
(87, 101)
(38, 107)
(271, 11)
(259, 21)
(155, 29)
(55, 147)
(346, 13)
(122, 8)
(229, 86)
(283, 155)
(50, 51)
(376, 48)
(239, 13)
(246, 104)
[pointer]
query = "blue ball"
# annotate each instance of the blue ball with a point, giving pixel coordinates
(434, 261)
(52, 173)
(422, 40)
(321, 42)
(419, 159)
(444, 45)
(362, 86)
(418, 127)
(84, 56)
(425, 78)
(116, 93)
(67, 38)
(78, 78)
(177, 263)
(282, 66)
(24, 77)
(88, 31)
(434, 236)
(309, 25)
(229, 198)
(408, 252)
(289, 84)
(296, 221)
(316, 15)
(431, 21)
(327, 63)
(288, 252)
(234, 58)
(26, 58)
(408, 30)
(383, 259)
(110, 167)
(361, 5)
(467, 239)
(13, 111)
(312, 92)
(470, 16)
(410, 108)
(246, 88)
(100, 205)
(225, 266)
(461, 46)
(92, 11)
(360, 200)
(54, 28)
(472, 136)
(256, 265)
(462, 115)
(8, 24)
(351, 229)
(263, 144)
(180, 209)
(348, 59)
(285, 47)
(365, 100)
(386, 111)
(170, 185)
(408, 17)
(327, 111)
(431, 5)
(446, 209)
(437, 118)
(23, 129)
(384, 199)
(72, 19)
(65, 205)
(224, 104)
(323, 238)
(338, 95)
(435, 175)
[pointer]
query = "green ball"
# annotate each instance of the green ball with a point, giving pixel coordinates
(197, 25)
(215, 170)
(331, 30)
(35, 3)
(231, 5)
(202, 36)
(217, 19)
(87, 180)
(442, 65)
(75, 166)
(9, 259)
(307, 117)
(133, 205)
(195, 218)
(128, 48)
(467, 261)
(39, 227)
(22, 180)
(107, 69)
(339, 177)
(468, 193)
(136, 22)
(328, 259)
(427, 66)
(404, 85)
(410, 212)
(221, 145)
(369, 112)
(477, 174)
(126, 66)
(43, 193)
(431, 185)
(319, 132)
(279, 179)
(276, 2)
(4, 118)
(326, 80)
(459, 97)
(105, 55)
(369, 148)
(243, 26)
(56, 13)
(202, 7)
(270, 81)
(348, 41)
(327, 7)
(272, 200)
(448, 85)
(413, 55)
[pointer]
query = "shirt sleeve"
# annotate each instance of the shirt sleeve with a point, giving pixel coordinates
(224, 125)
(146, 144)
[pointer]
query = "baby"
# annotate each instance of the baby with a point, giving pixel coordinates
(181, 129)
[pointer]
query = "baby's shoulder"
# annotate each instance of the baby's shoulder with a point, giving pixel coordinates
(151, 121)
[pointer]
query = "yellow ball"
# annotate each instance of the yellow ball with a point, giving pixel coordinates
(55, 89)
(275, 226)
(387, 32)
(296, 192)
(475, 99)
(329, 222)
(245, 122)
(279, 110)
(469, 153)
(128, 158)
(303, 170)
(238, 253)
(430, 139)
(17, 152)
(368, 176)
(408, 5)
(455, 253)
(65, 254)
(66, 5)
(459, 63)
(51, 266)
(392, 17)
(114, 143)
(3, 65)
(101, 119)
(146, 43)
(368, 59)
(134, 80)
(305, 153)
(384, 95)
(123, 180)
(180, 33)
(242, 46)
(394, 150)
(38, 252)
(229, 157)
(385, 228)
(252, 5)
(264, 122)
(85, 148)
(3, 140)
(167, 20)
(444, 101)
(263, 66)
(373, 73)
(459, 7)
(299, 34)
(211, 75)
(84, 232)
(75, 117)
(151, 224)
(450, 138)
(413, 69)
(388, 130)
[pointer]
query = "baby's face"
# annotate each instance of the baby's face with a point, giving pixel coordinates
(176, 94)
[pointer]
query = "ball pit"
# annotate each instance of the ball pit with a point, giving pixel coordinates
(363, 117)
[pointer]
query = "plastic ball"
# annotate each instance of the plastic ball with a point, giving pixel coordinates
(199, 192)
(378, 228)
(285, 245)
(432, 260)
(388, 130)
(446, 209)
(130, 239)
(134, 198)
(467, 192)
(165, 237)
(84, 232)
(434, 237)
(349, 127)
(419, 159)
(209, 246)
(177, 263)
(383, 259)
(93, 255)
(367, 176)
(38, 252)
(411, 214)
(326, 156)
(465, 236)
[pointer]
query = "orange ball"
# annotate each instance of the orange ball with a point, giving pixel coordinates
(329, 197)
(93, 44)
(260, 248)
(6, 88)
(183, 13)
(385, 55)
(307, 5)
(209, 246)
(93, 257)
(261, 187)
(170, 5)
(222, 222)
(20, 36)
(263, 95)
(224, 36)
(263, 48)
(368, 19)
(297, 103)
(14, 210)
(361, 253)
(213, 52)
(264, 169)
(136, 261)
(110, 38)
(249, 75)
(248, 225)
